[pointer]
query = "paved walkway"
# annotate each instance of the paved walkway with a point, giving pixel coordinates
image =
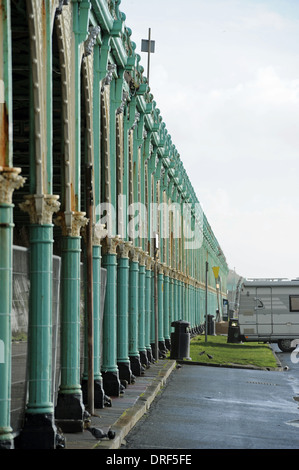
(125, 411)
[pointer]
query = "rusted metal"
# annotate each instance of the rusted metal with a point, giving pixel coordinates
(3, 135)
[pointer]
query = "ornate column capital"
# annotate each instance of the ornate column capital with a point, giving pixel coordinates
(142, 257)
(10, 180)
(124, 249)
(167, 270)
(149, 262)
(40, 207)
(161, 268)
(134, 254)
(99, 233)
(76, 220)
(172, 273)
(110, 245)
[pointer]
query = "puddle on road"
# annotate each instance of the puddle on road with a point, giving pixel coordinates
(294, 422)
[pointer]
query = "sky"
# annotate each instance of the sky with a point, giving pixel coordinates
(225, 76)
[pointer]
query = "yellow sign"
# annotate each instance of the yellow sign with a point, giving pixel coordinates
(216, 271)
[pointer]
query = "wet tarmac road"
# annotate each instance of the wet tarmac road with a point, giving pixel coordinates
(221, 408)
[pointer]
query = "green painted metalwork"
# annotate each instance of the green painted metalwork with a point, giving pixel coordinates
(128, 129)
(6, 232)
(141, 313)
(109, 323)
(40, 320)
(152, 317)
(97, 310)
(96, 254)
(70, 315)
(147, 311)
(160, 306)
(6, 227)
(133, 309)
(123, 310)
(97, 130)
(166, 312)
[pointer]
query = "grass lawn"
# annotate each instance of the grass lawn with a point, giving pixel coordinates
(256, 354)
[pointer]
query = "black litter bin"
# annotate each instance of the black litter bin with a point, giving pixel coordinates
(233, 335)
(211, 325)
(180, 340)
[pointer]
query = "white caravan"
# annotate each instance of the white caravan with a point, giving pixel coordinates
(269, 312)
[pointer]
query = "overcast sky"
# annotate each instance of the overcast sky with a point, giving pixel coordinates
(225, 76)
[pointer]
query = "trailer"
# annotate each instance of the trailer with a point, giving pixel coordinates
(269, 312)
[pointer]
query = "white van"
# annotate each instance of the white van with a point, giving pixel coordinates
(269, 312)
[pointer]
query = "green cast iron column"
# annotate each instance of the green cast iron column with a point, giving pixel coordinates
(133, 315)
(6, 228)
(191, 311)
(187, 300)
(99, 395)
(152, 318)
(182, 297)
(6, 225)
(166, 315)
(10, 180)
(70, 408)
(148, 309)
(123, 360)
(172, 299)
(175, 296)
(161, 341)
(141, 313)
(39, 429)
(110, 371)
(40, 322)
(179, 312)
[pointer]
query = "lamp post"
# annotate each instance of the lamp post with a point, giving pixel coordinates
(148, 46)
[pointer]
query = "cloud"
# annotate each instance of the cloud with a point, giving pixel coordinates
(225, 77)
(259, 241)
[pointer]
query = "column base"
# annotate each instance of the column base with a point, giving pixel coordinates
(99, 394)
(136, 366)
(7, 444)
(150, 355)
(39, 432)
(143, 359)
(168, 344)
(153, 346)
(161, 353)
(162, 348)
(69, 412)
(111, 383)
(125, 372)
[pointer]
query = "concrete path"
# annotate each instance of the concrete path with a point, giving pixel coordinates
(126, 410)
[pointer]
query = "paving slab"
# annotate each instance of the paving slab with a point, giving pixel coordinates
(126, 409)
